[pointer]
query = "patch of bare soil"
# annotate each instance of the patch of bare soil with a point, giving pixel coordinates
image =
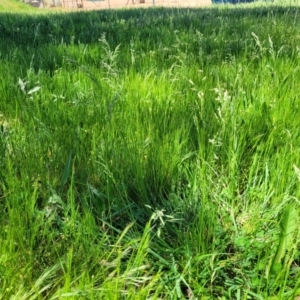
(106, 4)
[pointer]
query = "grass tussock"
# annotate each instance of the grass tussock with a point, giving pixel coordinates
(150, 154)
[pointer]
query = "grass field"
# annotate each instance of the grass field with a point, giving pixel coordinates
(150, 154)
(14, 6)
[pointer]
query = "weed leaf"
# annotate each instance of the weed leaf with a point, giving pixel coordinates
(288, 226)
(35, 89)
(67, 169)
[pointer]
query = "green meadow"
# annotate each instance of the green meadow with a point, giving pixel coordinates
(150, 153)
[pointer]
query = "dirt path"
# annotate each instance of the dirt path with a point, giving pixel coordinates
(106, 4)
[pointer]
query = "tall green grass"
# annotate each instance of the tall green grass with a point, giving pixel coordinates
(150, 154)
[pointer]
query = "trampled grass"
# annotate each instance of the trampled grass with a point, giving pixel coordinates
(150, 154)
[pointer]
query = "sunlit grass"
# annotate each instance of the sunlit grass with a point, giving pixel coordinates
(14, 6)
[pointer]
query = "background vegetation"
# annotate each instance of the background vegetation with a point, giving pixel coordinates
(150, 154)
